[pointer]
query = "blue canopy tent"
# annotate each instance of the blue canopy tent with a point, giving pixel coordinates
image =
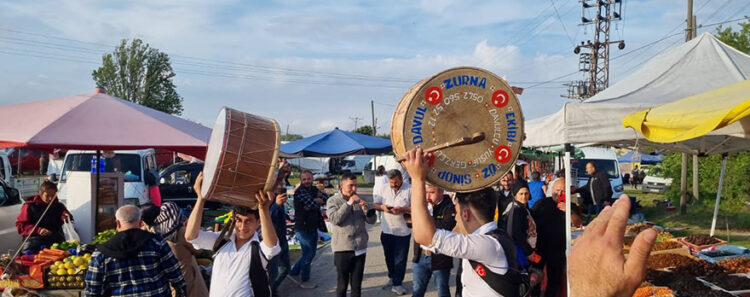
(642, 158)
(336, 143)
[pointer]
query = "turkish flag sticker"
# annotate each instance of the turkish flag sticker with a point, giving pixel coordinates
(500, 98)
(502, 154)
(480, 270)
(433, 95)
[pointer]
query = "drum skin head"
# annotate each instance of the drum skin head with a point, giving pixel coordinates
(457, 103)
(241, 159)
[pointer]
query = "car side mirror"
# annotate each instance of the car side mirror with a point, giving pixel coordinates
(53, 177)
(15, 197)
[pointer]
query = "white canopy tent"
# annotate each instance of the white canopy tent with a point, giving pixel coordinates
(700, 65)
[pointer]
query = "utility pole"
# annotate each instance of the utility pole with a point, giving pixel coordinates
(594, 61)
(372, 108)
(287, 129)
(356, 121)
(689, 34)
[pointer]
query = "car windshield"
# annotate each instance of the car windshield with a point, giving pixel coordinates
(128, 164)
(607, 166)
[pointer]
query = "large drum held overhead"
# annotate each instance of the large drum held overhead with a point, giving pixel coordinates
(457, 103)
(241, 159)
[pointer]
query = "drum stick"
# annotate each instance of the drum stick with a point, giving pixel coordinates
(476, 137)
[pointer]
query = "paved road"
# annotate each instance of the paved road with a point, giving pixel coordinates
(9, 238)
(323, 273)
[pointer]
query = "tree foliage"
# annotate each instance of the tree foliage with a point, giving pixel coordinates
(139, 73)
(739, 40)
(290, 137)
(366, 130)
(735, 190)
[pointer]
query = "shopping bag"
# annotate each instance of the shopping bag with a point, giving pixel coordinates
(70, 231)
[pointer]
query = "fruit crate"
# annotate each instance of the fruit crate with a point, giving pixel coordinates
(695, 249)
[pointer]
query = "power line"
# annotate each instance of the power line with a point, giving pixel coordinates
(562, 23)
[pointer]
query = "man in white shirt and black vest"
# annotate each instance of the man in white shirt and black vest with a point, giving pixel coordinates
(488, 254)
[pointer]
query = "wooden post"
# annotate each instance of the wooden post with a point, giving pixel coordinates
(696, 193)
(683, 185)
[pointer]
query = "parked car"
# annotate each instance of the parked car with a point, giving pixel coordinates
(8, 194)
(176, 184)
(655, 184)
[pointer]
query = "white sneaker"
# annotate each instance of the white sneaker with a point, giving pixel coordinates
(308, 285)
(400, 290)
(387, 285)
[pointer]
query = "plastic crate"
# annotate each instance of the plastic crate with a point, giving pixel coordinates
(725, 252)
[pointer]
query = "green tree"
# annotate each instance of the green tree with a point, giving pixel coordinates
(739, 40)
(139, 73)
(366, 130)
(290, 137)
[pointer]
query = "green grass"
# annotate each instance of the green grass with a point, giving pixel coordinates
(732, 226)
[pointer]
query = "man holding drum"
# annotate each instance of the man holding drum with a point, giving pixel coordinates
(240, 263)
(483, 247)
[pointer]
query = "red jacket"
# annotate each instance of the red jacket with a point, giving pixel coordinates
(31, 212)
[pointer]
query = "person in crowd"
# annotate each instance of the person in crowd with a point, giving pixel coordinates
(49, 230)
(134, 262)
(396, 235)
(425, 264)
(504, 196)
(558, 175)
(487, 253)
(550, 224)
(381, 184)
(601, 243)
(151, 181)
(279, 266)
(168, 221)
(241, 261)
(598, 188)
(517, 221)
(348, 213)
(307, 218)
(537, 188)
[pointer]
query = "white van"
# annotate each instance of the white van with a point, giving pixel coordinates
(132, 163)
(356, 164)
(605, 160)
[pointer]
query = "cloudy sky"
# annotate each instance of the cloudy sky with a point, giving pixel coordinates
(315, 65)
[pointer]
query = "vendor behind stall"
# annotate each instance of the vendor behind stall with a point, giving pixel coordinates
(50, 229)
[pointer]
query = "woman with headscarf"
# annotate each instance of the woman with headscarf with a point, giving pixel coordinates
(518, 223)
(169, 224)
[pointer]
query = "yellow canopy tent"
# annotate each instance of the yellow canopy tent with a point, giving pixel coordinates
(693, 117)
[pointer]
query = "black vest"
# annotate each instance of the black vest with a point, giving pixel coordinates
(51, 220)
(304, 219)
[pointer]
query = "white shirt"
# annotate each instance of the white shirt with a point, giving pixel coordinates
(231, 268)
(475, 246)
(394, 224)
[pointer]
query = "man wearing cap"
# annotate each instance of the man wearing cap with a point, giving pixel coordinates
(396, 234)
(347, 213)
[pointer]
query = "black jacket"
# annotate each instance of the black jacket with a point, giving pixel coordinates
(444, 215)
(520, 224)
(601, 186)
(550, 228)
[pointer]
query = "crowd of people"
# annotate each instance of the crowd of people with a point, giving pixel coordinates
(510, 241)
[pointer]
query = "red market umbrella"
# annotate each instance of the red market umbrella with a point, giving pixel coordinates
(98, 121)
